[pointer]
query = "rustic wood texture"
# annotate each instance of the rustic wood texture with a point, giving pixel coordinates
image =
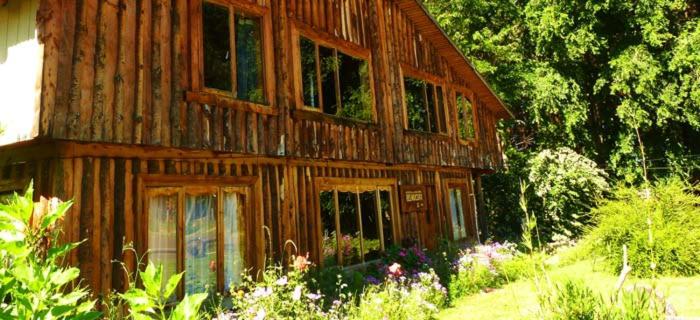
(127, 71)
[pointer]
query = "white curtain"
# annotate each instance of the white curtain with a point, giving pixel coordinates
(233, 240)
(162, 223)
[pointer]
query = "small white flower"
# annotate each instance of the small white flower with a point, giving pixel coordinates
(296, 295)
(281, 281)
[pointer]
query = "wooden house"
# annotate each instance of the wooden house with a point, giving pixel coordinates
(213, 134)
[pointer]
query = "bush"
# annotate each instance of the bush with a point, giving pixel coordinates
(487, 267)
(568, 185)
(573, 300)
(33, 282)
(285, 295)
(660, 227)
(402, 298)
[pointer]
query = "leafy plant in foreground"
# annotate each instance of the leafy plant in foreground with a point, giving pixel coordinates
(33, 282)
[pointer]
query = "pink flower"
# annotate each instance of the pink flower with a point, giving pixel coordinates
(395, 269)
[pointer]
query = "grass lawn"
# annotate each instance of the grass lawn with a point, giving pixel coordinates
(518, 299)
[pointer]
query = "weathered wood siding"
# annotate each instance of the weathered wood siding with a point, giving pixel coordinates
(108, 202)
(121, 71)
(20, 71)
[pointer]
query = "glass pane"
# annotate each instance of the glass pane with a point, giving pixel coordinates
(441, 110)
(385, 198)
(233, 239)
(459, 231)
(370, 226)
(415, 103)
(329, 65)
(200, 243)
(356, 97)
(162, 226)
(249, 59)
(430, 95)
(349, 228)
(217, 47)
(330, 241)
(308, 72)
(465, 117)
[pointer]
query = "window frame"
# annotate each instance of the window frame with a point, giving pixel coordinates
(469, 211)
(300, 30)
(410, 72)
(356, 186)
(246, 186)
(203, 94)
(471, 97)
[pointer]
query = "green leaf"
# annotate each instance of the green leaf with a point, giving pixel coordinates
(151, 279)
(172, 285)
(188, 308)
(60, 278)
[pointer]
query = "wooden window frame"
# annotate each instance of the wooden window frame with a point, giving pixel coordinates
(356, 186)
(348, 48)
(471, 97)
(202, 94)
(247, 186)
(408, 71)
(467, 205)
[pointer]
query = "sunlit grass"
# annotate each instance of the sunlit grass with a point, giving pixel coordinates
(518, 300)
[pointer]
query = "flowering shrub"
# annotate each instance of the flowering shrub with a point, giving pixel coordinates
(485, 267)
(283, 295)
(419, 297)
(412, 260)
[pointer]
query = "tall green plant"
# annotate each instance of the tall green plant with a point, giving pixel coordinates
(34, 283)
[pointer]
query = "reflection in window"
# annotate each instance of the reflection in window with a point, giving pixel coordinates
(249, 58)
(248, 82)
(328, 65)
(385, 212)
(201, 239)
(217, 49)
(370, 226)
(308, 73)
(425, 107)
(200, 243)
(330, 240)
(344, 81)
(162, 222)
(361, 221)
(350, 242)
(459, 230)
(465, 114)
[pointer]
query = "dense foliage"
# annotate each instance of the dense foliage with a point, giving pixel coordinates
(34, 283)
(615, 81)
(568, 185)
(659, 225)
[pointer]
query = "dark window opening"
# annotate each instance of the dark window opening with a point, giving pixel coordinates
(356, 225)
(342, 80)
(465, 117)
(425, 108)
(233, 53)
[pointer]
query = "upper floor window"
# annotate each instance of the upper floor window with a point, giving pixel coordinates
(334, 82)
(356, 223)
(465, 117)
(233, 58)
(425, 107)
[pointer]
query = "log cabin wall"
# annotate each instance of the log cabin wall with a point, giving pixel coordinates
(108, 210)
(122, 101)
(126, 71)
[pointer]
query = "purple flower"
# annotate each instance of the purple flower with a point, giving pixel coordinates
(313, 296)
(372, 280)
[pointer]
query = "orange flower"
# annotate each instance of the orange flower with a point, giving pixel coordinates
(301, 263)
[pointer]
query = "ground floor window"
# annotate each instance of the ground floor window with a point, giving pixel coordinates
(357, 223)
(199, 230)
(459, 228)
